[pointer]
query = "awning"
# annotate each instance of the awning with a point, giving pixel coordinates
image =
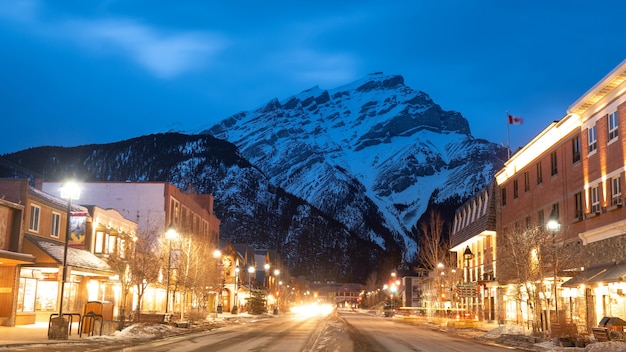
(584, 276)
(78, 259)
(14, 258)
(613, 273)
(604, 273)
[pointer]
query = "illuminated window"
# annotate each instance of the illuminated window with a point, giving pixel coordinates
(616, 191)
(595, 199)
(33, 222)
(553, 164)
(99, 242)
(576, 149)
(592, 139)
(613, 126)
(539, 173)
(56, 225)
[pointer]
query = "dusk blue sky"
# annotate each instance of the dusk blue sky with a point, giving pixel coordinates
(81, 72)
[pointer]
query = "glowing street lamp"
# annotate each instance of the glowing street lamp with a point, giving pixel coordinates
(58, 330)
(217, 254)
(170, 235)
(251, 271)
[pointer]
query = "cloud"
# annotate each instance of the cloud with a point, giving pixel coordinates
(165, 55)
(317, 67)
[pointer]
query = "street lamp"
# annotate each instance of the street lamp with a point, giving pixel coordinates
(554, 225)
(59, 328)
(236, 300)
(251, 271)
(217, 254)
(170, 235)
(467, 256)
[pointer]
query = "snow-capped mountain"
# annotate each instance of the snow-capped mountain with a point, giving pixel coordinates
(372, 154)
(334, 180)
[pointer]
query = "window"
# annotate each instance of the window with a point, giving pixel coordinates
(595, 200)
(553, 164)
(576, 149)
(555, 210)
(99, 242)
(592, 139)
(33, 223)
(578, 206)
(613, 126)
(56, 225)
(515, 192)
(528, 222)
(540, 218)
(539, 173)
(616, 191)
(526, 181)
(503, 193)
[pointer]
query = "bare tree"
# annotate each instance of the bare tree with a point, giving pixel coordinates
(144, 266)
(531, 260)
(433, 247)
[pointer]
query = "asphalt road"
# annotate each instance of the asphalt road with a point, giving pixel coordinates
(378, 334)
(288, 333)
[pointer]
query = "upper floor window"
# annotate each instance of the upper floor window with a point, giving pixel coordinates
(553, 164)
(515, 189)
(576, 149)
(592, 139)
(539, 173)
(612, 125)
(56, 225)
(616, 191)
(33, 223)
(503, 193)
(595, 199)
(578, 206)
(526, 181)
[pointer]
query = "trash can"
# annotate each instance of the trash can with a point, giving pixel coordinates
(612, 323)
(219, 309)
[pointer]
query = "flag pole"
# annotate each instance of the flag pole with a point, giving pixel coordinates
(508, 142)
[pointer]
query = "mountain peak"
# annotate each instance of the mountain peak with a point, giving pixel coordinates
(371, 151)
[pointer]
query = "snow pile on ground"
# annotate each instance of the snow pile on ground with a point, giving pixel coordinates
(506, 330)
(142, 331)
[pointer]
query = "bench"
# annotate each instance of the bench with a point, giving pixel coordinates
(601, 334)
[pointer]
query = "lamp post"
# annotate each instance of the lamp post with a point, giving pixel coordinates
(251, 271)
(467, 256)
(236, 300)
(217, 254)
(58, 330)
(170, 235)
(266, 277)
(554, 225)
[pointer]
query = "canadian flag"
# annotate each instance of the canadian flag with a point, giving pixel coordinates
(514, 120)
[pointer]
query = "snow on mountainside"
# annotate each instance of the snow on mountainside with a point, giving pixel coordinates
(374, 151)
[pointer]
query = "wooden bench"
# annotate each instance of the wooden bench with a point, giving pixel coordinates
(601, 334)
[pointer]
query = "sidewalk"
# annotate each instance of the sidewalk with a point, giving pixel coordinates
(32, 334)
(38, 333)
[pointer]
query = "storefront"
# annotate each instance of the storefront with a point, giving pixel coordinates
(39, 289)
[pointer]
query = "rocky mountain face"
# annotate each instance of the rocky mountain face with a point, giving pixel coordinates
(251, 209)
(373, 154)
(335, 180)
